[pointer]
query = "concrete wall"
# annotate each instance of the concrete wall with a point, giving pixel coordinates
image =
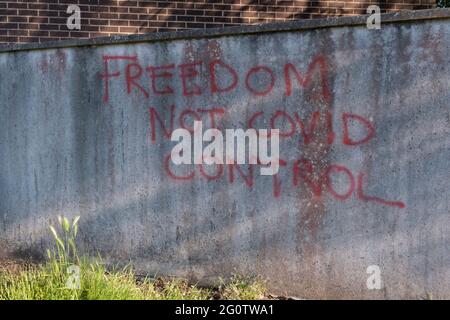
(366, 150)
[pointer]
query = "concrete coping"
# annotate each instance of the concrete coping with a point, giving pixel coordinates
(300, 25)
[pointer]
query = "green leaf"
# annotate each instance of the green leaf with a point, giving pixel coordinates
(75, 221)
(66, 224)
(75, 226)
(55, 234)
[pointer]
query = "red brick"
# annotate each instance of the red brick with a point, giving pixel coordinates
(45, 20)
(4, 25)
(41, 6)
(17, 19)
(59, 34)
(18, 5)
(37, 20)
(117, 22)
(28, 39)
(17, 32)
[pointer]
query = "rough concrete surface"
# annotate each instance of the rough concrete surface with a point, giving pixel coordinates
(365, 180)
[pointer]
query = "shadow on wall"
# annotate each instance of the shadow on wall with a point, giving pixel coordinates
(128, 226)
(183, 242)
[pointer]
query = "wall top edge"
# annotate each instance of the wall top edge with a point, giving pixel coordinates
(300, 25)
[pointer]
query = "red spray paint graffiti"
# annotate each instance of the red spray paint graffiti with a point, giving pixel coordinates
(150, 82)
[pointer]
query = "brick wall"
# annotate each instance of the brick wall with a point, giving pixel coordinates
(44, 20)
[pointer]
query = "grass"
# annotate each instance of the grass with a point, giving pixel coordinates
(57, 279)
(96, 283)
